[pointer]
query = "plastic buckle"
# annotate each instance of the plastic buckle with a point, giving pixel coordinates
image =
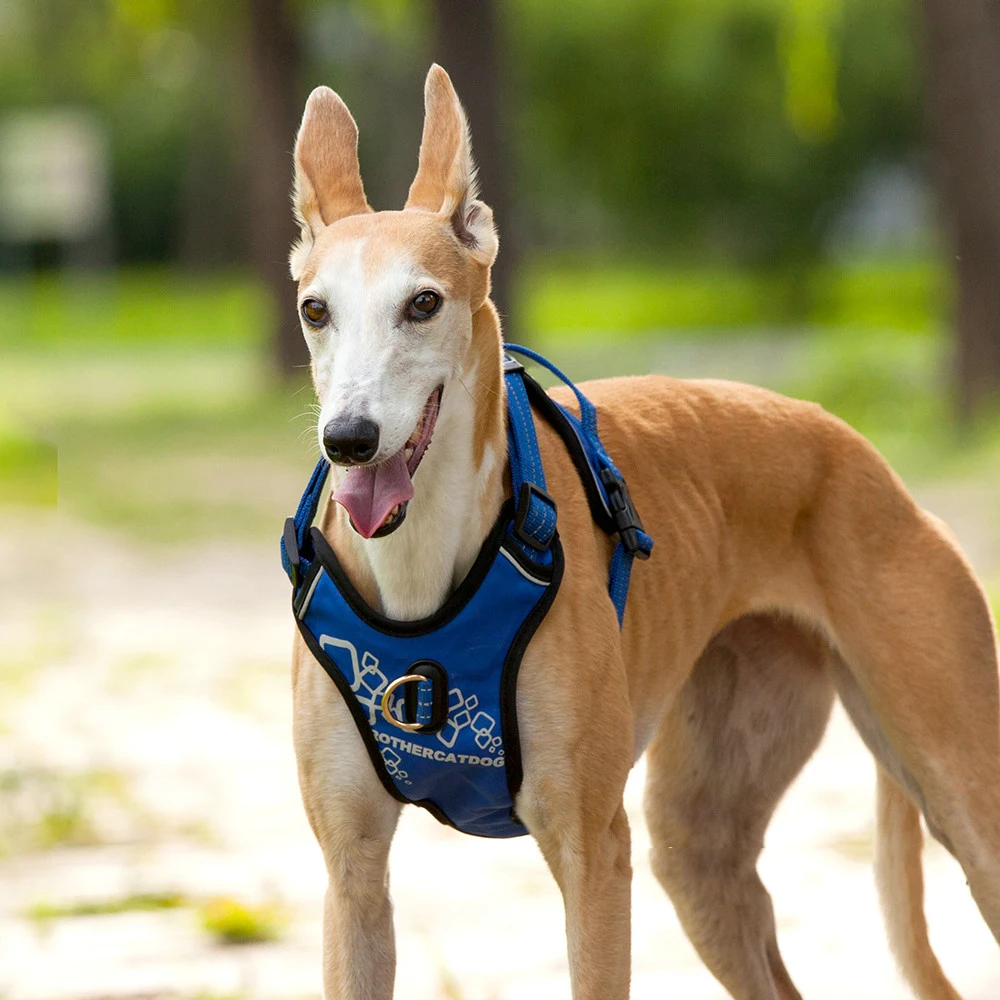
(409, 713)
(291, 541)
(511, 365)
(530, 491)
(623, 513)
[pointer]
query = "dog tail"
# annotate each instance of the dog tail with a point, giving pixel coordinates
(900, 879)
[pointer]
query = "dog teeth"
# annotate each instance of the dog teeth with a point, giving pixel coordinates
(408, 452)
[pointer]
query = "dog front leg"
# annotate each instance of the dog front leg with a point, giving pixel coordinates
(596, 882)
(577, 756)
(359, 950)
(592, 867)
(354, 819)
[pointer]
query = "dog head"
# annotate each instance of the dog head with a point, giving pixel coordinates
(386, 299)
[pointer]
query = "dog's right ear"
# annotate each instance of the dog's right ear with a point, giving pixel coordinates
(327, 176)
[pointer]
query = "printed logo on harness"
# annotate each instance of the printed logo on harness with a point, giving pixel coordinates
(368, 684)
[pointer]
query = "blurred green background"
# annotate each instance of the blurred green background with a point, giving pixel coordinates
(695, 174)
(804, 194)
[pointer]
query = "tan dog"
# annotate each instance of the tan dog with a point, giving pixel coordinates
(790, 563)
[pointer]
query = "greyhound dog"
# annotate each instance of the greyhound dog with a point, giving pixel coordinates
(791, 565)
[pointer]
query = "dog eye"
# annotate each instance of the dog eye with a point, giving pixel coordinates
(424, 305)
(314, 312)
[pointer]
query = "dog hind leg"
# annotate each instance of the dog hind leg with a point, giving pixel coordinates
(918, 640)
(751, 714)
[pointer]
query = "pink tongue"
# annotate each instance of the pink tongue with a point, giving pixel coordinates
(369, 492)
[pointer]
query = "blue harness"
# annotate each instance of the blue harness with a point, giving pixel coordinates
(435, 699)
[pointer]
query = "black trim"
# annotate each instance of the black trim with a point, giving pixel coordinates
(458, 600)
(556, 419)
(290, 540)
(511, 667)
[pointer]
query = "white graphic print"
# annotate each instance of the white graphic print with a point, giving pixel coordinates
(392, 762)
(368, 684)
(460, 715)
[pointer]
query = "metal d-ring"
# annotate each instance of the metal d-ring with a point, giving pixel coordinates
(410, 727)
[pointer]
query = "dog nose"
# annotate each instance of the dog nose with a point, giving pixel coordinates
(350, 440)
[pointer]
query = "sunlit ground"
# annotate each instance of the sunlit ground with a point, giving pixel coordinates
(148, 807)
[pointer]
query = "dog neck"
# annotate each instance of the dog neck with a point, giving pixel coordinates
(459, 488)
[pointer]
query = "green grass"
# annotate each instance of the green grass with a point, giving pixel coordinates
(167, 442)
(28, 470)
(556, 296)
(44, 809)
(567, 301)
(226, 919)
(154, 386)
(137, 902)
(230, 921)
(202, 466)
(131, 306)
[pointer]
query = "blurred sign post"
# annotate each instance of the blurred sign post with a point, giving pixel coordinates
(54, 183)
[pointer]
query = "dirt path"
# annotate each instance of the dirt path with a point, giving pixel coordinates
(145, 712)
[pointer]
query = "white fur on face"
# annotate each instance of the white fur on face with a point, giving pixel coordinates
(371, 360)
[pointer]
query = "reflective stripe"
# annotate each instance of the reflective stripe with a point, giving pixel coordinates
(513, 561)
(309, 596)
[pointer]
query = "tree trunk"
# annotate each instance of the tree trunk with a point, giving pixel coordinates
(274, 67)
(962, 46)
(467, 41)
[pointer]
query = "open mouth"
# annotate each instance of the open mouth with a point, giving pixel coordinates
(376, 496)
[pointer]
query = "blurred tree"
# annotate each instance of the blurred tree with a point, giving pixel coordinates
(963, 105)
(274, 80)
(466, 41)
(732, 131)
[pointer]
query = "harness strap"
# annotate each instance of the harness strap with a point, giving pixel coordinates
(535, 516)
(633, 541)
(295, 539)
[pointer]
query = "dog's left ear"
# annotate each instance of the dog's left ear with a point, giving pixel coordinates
(446, 175)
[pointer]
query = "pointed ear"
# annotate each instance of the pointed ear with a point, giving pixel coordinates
(446, 174)
(327, 176)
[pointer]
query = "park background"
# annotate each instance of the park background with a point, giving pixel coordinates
(804, 194)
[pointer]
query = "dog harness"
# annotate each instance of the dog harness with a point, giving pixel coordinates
(435, 699)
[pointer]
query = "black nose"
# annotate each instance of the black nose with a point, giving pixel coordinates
(349, 440)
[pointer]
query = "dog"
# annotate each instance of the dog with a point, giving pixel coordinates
(791, 566)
